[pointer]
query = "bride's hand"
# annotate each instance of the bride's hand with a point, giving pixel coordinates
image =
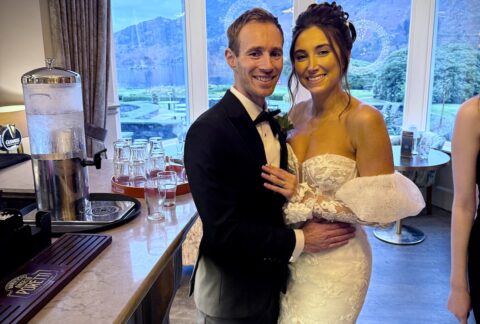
(279, 180)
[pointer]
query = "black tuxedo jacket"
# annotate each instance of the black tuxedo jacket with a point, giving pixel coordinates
(244, 235)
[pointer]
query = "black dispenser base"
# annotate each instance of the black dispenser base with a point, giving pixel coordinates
(20, 242)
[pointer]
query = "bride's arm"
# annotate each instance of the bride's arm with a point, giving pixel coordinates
(306, 203)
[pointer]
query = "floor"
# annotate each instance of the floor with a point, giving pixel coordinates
(409, 284)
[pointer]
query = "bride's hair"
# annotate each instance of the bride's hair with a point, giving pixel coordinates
(334, 23)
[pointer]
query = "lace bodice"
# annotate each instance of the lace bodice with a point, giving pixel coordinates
(328, 172)
(321, 176)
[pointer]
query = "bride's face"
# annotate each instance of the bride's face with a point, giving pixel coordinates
(315, 62)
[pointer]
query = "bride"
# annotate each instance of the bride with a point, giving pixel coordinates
(342, 157)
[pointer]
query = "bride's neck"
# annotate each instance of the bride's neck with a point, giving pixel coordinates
(331, 105)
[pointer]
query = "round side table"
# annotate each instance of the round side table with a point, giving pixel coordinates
(404, 234)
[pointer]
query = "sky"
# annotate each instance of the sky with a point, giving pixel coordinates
(128, 12)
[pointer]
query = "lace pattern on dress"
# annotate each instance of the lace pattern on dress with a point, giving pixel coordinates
(322, 175)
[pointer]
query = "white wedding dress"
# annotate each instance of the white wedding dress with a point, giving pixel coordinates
(330, 286)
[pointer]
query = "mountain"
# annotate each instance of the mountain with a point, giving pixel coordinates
(152, 52)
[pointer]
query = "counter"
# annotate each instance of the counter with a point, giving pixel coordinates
(135, 278)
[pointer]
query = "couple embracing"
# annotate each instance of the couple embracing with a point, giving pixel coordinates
(282, 223)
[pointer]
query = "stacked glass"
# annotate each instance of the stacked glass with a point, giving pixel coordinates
(121, 162)
(136, 162)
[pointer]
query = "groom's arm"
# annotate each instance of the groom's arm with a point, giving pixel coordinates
(228, 235)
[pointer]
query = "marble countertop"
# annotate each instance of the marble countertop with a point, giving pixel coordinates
(111, 287)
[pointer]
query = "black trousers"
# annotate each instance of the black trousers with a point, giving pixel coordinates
(268, 316)
(474, 267)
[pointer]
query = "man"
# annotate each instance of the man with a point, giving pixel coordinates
(245, 248)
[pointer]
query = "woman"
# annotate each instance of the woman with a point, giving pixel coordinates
(336, 138)
(465, 291)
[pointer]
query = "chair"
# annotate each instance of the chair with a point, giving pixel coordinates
(424, 179)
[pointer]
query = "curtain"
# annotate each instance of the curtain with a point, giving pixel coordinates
(81, 33)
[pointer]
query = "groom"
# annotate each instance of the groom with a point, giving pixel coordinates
(245, 249)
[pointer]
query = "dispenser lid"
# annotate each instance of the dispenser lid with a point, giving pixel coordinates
(50, 75)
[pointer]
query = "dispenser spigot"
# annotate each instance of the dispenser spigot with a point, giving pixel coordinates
(97, 160)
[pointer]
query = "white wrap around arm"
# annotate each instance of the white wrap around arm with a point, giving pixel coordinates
(382, 198)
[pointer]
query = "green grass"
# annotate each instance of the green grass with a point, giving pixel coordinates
(450, 109)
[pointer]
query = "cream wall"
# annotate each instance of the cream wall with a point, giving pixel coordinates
(21, 45)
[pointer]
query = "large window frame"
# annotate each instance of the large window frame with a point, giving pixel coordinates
(419, 61)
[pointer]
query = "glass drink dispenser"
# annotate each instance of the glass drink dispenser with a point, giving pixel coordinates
(54, 109)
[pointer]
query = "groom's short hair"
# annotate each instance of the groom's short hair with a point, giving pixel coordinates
(255, 14)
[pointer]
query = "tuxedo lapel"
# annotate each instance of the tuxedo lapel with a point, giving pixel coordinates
(283, 150)
(244, 125)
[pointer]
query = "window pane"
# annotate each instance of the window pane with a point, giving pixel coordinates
(377, 72)
(456, 62)
(151, 67)
(220, 14)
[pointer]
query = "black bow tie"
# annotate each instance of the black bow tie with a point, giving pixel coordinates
(268, 116)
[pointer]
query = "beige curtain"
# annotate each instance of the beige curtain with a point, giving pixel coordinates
(81, 40)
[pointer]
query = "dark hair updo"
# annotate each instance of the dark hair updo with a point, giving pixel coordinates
(334, 23)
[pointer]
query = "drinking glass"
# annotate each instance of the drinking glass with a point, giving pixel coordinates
(424, 147)
(155, 163)
(176, 164)
(137, 173)
(138, 152)
(122, 172)
(144, 142)
(168, 180)
(121, 151)
(156, 144)
(155, 196)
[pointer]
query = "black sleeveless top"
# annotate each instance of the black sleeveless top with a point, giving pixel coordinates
(474, 258)
(478, 180)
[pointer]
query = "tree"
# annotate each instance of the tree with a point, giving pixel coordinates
(360, 81)
(390, 82)
(457, 73)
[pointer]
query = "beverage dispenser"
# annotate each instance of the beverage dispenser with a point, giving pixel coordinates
(54, 109)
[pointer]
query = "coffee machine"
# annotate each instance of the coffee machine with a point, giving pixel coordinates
(54, 110)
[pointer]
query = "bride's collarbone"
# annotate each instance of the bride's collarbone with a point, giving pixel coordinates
(337, 142)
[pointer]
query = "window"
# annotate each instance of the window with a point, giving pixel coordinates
(418, 78)
(151, 67)
(220, 14)
(456, 62)
(378, 65)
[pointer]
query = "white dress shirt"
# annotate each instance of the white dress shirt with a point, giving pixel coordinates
(271, 145)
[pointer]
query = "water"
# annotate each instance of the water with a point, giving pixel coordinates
(60, 133)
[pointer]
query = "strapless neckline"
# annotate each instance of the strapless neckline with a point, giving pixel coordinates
(323, 155)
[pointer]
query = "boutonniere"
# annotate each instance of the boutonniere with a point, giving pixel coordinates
(285, 123)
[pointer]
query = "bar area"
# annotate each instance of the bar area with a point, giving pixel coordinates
(135, 278)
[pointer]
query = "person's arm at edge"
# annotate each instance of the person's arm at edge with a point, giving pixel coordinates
(465, 148)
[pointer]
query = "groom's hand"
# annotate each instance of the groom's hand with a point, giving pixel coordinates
(322, 236)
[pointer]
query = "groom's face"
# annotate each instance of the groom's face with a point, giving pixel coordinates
(259, 61)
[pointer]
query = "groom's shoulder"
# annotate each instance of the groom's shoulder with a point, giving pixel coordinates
(213, 115)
